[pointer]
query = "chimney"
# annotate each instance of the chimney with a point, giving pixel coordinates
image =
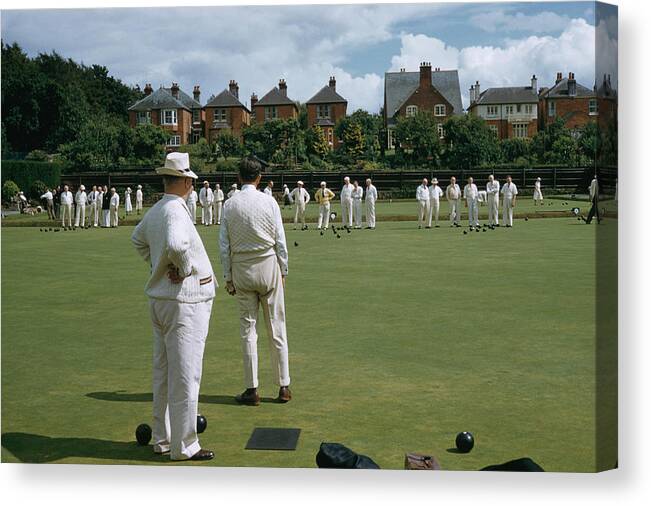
(477, 90)
(282, 86)
(559, 77)
(254, 100)
(472, 94)
(571, 85)
(534, 84)
(402, 69)
(148, 89)
(425, 75)
(333, 83)
(175, 90)
(196, 93)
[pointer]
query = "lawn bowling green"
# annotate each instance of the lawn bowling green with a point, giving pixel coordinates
(399, 340)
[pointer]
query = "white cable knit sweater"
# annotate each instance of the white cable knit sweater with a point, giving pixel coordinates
(166, 236)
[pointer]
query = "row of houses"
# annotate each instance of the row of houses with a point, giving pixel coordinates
(511, 112)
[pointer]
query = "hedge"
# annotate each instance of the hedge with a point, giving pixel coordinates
(25, 172)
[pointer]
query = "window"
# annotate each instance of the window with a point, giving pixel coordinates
(391, 141)
(270, 112)
(196, 116)
(412, 110)
(143, 117)
(491, 110)
(519, 107)
(508, 109)
(528, 108)
(195, 137)
(174, 140)
(520, 130)
(439, 110)
(323, 111)
(592, 107)
(493, 128)
(168, 117)
(219, 116)
(552, 109)
(330, 137)
(440, 131)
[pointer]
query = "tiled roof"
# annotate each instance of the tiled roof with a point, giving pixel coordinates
(559, 90)
(162, 99)
(507, 95)
(274, 97)
(327, 95)
(225, 99)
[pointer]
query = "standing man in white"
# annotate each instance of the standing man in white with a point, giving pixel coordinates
(287, 201)
(66, 207)
(435, 194)
(139, 199)
(509, 193)
(300, 197)
(218, 202)
(80, 199)
(471, 195)
(422, 197)
(453, 194)
(181, 290)
(128, 208)
(191, 202)
(93, 195)
(269, 190)
(106, 208)
(114, 205)
(99, 219)
(593, 191)
(233, 191)
(323, 197)
(254, 259)
(358, 195)
(347, 203)
(537, 192)
(492, 200)
(205, 199)
(371, 199)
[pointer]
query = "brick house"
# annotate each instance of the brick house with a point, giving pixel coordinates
(406, 93)
(568, 100)
(173, 110)
(607, 104)
(324, 109)
(511, 112)
(225, 113)
(274, 105)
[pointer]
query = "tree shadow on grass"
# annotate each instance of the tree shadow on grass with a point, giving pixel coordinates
(37, 449)
(124, 396)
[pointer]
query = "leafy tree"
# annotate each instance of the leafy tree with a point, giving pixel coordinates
(418, 137)
(565, 150)
(589, 141)
(38, 155)
(281, 141)
(353, 141)
(469, 142)
(227, 145)
(148, 143)
(370, 125)
(9, 191)
(514, 149)
(317, 143)
(37, 189)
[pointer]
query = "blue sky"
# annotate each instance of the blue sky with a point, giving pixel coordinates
(497, 44)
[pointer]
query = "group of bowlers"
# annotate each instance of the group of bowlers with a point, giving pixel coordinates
(182, 286)
(97, 208)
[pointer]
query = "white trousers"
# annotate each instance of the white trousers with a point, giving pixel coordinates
(193, 212)
(507, 211)
(434, 206)
(370, 213)
(80, 215)
(537, 195)
(423, 211)
(66, 213)
(138, 205)
(473, 212)
(106, 218)
(455, 216)
(493, 213)
(206, 214)
(347, 212)
(258, 283)
(357, 212)
(94, 214)
(324, 215)
(299, 213)
(180, 332)
(217, 212)
(114, 216)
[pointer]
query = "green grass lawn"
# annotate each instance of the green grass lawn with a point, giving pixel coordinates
(399, 339)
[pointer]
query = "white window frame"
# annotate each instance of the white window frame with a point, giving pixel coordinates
(323, 111)
(330, 137)
(195, 137)
(528, 108)
(174, 141)
(508, 109)
(439, 110)
(494, 129)
(143, 117)
(520, 130)
(551, 109)
(270, 112)
(196, 116)
(391, 140)
(411, 111)
(173, 117)
(492, 111)
(593, 109)
(440, 130)
(219, 115)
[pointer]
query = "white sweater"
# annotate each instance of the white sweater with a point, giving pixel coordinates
(166, 236)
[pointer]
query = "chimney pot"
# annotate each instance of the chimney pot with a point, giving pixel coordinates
(282, 86)
(148, 89)
(332, 83)
(425, 75)
(196, 92)
(234, 88)
(175, 90)
(254, 100)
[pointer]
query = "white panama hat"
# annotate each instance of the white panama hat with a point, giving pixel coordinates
(323, 183)
(299, 182)
(177, 164)
(82, 188)
(140, 187)
(435, 181)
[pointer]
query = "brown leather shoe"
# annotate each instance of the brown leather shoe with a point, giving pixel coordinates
(249, 397)
(284, 395)
(203, 455)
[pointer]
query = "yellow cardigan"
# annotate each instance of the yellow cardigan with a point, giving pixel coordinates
(323, 197)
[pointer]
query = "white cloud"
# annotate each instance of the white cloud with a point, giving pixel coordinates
(499, 21)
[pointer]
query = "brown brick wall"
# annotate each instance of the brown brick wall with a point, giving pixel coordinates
(236, 117)
(425, 99)
(505, 129)
(573, 110)
(337, 111)
(284, 112)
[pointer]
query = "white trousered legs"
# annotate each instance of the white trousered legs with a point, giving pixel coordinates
(473, 212)
(493, 213)
(507, 214)
(324, 215)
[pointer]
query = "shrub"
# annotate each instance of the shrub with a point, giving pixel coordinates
(25, 172)
(37, 189)
(9, 191)
(37, 155)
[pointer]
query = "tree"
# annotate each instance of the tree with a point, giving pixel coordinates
(36, 189)
(317, 143)
(280, 141)
(469, 142)
(9, 191)
(590, 141)
(353, 141)
(148, 144)
(227, 145)
(514, 149)
(418, 137)
(370, 125)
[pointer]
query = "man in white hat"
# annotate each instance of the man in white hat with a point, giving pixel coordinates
(593, 192)
(66, 207)
(435, 194)
(80, 199)
(422, 197)
(269, 190)
(93, 195)
(537, 192)
(205, 200)
(453, 194)
(49, 202)
(99, 203)
(323, 197)
(300, 197)
(191, 202)
(218, 202)
(346, 198)
(233, 191)
(471, 196)
(358, 195)
(287, 201)
(371, 198)
(509, 193)
(139, 199)
(181, 289)
(114, 205)
(492, 200)
(254, 260)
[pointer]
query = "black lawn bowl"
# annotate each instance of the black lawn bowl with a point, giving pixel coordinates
(40, 230)
(321, 232)
(338, 236)
(295, 243)
(465, 232)
(143, 434)
(464, 442)
(202, 423)
(526, 218)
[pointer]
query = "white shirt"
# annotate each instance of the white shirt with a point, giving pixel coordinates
(138, 195)
(509, 190)
(493, 189)
(594, 188)
(219, 195)
(371, 193)
(470, 192)
(166, 236)
(233, 192)
(453, 192)
(435, 192)
(285, 192)
(92, 196)
(192, 198)
(536, 185)
(47, 195)
(358, 194)
(66, 198)
(300, 195)
(205, 196)
(346, 192)
(115, 200)
(422, 193)
(252, 226)
(268, 190)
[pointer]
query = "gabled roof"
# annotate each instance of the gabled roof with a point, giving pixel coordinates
(327, 95)
(399, 86)
(559, 90)
(225, 99)
(507, 95)
(274, 97)
(162, 99)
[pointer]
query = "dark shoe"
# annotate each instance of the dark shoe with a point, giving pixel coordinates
(203, 455)
(249, 397)
(284, 395)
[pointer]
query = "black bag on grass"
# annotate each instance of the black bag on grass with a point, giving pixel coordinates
(338, 456)
(518, 465)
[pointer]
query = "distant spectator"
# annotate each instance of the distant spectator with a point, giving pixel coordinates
(106, 208)
(49, 203)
